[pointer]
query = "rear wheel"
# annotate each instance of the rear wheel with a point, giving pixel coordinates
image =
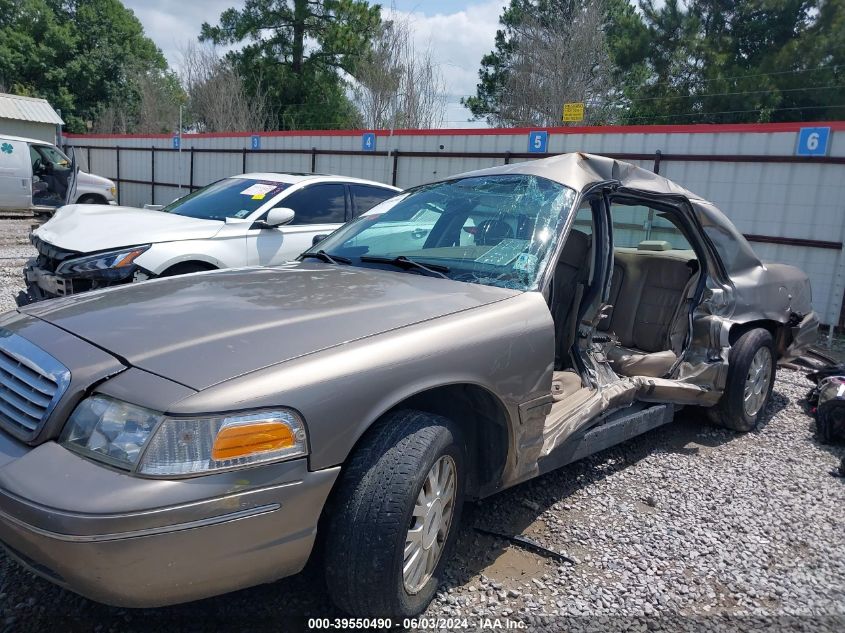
(395, 516)
(751, 376)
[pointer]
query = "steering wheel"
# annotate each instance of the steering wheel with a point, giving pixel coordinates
(37, 166)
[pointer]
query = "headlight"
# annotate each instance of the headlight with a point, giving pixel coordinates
(150, 443)
(113, 190)
(110, 430)
(111, 265)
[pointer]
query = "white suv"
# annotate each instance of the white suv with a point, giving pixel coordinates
(257, 219)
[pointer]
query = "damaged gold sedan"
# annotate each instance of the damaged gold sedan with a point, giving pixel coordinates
(194, 435)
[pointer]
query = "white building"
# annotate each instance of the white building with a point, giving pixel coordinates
(28, 117)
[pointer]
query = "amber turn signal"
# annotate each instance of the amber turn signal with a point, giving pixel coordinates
(129, 258)
(241, 440)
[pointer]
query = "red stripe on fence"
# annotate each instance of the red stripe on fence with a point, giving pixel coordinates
(703, 128)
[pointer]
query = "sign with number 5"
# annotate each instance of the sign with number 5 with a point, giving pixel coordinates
(813, 141)
(538, 142)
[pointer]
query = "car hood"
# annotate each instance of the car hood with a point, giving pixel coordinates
(93, 180)
(87, 228)
(205, 328)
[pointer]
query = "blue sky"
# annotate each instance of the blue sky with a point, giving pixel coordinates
(458, 33)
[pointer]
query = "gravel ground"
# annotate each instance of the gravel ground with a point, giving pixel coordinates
(15, 249)
(686, 527)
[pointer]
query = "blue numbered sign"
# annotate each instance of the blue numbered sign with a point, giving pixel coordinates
(813, 141)
(368, 142)
(256, 142)
(538, 142)
(177, 141)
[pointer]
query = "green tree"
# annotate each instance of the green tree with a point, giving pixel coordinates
(296, 52)
(81, 55)
(555, 51)
(700, 61)
(725, 61)
(814, 89)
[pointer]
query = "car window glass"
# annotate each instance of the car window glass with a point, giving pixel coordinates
(234, 198)
(367, 197)
(584, 219)
(633, 224)
(318, 204)
(494, 230)
(427, 215)
(54, 156)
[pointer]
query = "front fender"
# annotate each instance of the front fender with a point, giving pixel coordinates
(506, 348)
(220, 253)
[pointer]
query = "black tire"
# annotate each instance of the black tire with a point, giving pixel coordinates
(730, 412)
(91, 199)
(372, 513)
(186, 268)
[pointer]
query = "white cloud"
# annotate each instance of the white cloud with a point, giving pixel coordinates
(172, 25)
(458, 39)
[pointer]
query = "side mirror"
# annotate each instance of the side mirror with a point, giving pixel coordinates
(318, 238)
(279, 216)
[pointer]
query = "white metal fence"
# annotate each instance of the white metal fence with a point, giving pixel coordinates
(789, 204)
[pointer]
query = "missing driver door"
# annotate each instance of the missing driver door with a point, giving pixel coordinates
(592, 306)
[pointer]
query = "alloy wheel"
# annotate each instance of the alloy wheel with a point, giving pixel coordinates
(757, 381)
(430, 523)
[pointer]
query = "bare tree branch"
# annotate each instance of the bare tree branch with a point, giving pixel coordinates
(558, 60)
(395, 85)
(151, 107)
(217, 98)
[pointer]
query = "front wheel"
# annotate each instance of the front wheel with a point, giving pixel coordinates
(186, 268)
(751, 376)
(91, 199)
(395, 516)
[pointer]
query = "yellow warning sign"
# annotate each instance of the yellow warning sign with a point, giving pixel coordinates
(573, 112)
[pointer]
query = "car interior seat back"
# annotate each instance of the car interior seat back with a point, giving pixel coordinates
(648, 293)
(571, 274)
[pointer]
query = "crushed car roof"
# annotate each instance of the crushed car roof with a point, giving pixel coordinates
(581, 171)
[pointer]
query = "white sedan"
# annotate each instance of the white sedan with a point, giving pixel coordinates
(258, 219)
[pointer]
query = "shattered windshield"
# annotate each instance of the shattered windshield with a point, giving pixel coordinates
(493, 230)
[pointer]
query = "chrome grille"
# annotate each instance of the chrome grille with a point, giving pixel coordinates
(31, 383)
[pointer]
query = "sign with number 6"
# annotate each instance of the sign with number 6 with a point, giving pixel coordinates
(812, 141)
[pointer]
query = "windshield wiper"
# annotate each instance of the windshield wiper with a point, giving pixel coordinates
(406, 264)
(323, 256)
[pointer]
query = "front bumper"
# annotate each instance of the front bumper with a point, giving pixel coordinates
(43, 284)
(135, 542)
